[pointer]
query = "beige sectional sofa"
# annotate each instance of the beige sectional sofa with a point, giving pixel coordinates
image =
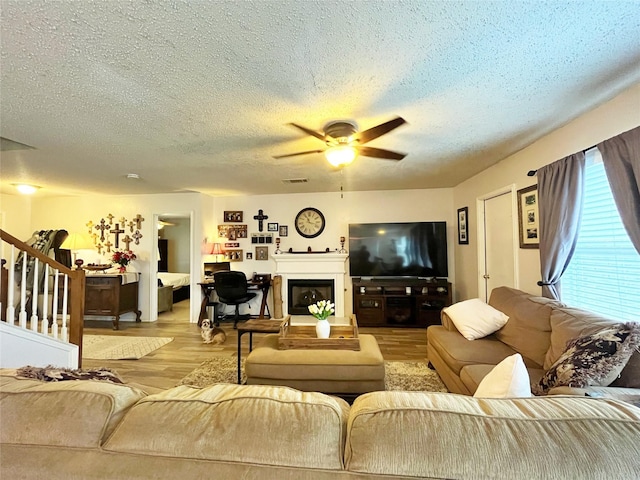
(95, 429)
(539, 329)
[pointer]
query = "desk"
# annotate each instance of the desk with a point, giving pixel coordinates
(251, 327)
(209, 286)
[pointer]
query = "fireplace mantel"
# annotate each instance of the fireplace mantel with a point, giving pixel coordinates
(313, 266)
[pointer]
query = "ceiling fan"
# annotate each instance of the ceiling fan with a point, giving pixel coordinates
(344, 142)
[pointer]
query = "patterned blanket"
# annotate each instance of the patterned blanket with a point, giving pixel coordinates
(55, 374)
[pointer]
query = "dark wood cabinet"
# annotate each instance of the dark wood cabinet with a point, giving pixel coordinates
(105, 295)
(399, 302)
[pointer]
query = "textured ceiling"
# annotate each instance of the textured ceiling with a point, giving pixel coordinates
(196, 95)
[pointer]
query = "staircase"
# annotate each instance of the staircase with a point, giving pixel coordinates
(41, 308)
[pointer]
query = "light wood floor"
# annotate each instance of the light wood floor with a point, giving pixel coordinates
(165, 367)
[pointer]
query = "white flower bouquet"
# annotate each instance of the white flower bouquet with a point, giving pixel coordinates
(322, 309)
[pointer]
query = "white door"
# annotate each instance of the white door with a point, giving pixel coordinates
(497, 261)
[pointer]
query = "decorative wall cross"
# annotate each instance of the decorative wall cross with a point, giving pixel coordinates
(131, 224)
(127, 240)
(108, 244)
(137, 236)
(102, 227)
(260, 217)
(110, 217)
(94, 237)
(117, 231)
(90, 225)
(123, 221)
(138, 219)
(99, 247)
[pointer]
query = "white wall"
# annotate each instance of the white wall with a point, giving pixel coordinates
(616, 116)
(72, 213)
(15, 210)
(355, 207)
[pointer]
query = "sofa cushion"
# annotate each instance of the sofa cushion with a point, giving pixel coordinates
(75, 413)
(472, 375)
(431, 435)
(630, 375)
(508, 379)
(528, 329)
(475, 319)
(568, 324)
(237, 423)
(594, 359)
(459, 352)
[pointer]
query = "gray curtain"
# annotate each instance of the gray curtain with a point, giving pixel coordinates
(560, 197)
(621, 158)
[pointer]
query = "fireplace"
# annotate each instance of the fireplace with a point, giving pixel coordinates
(327, 267)
(304, 292)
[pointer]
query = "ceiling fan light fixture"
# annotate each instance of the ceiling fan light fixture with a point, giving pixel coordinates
(341, 155)
(26, 189)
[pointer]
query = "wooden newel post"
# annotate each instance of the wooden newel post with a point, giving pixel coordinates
(76, 310)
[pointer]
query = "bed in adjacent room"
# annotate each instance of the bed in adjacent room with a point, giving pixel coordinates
(179, 282)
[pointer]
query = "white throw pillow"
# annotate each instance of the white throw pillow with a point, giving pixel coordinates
(508, 379)
(475, 319)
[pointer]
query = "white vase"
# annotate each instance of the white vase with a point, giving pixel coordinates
(323, 328)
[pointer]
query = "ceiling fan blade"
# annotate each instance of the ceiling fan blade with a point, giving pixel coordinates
(308, 131)
(380, 153)
(375, 132)
(299, 153)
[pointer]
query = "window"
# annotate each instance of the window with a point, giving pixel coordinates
(604, 273)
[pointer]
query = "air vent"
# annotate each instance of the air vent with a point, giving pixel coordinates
(295, 180)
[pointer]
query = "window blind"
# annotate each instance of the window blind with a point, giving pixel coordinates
(604, 273)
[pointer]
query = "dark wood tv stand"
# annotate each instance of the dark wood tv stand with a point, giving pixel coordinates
(399, 302)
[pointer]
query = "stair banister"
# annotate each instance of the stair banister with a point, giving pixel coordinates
(76, 288)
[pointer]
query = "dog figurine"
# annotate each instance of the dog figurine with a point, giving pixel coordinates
(211, 334)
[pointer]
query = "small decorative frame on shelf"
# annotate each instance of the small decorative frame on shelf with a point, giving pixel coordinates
(233, 216)
(528, 221)
(284, 230)
(272, 227)
(463, 226)
(262, 238)
(262, 253)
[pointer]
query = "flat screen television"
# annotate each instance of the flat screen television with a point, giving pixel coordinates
(415, 249)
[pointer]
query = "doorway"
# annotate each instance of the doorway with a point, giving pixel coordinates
(497, 234)
(173, 259)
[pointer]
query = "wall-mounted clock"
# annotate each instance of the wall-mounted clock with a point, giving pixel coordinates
(309, 222)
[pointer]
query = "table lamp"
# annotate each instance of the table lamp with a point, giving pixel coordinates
(216, 250)
(75, 242)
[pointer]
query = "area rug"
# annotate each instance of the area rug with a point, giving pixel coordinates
(406, 376)
(114, 347)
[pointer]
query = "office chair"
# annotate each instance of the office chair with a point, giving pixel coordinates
(231, 288)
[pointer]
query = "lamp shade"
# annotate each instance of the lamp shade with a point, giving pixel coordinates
(77, 241)
(216, 249)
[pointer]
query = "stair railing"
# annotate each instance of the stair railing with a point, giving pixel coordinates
(52, 304)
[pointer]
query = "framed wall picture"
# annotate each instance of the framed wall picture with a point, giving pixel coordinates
(284, 230)
(232, 232)
(233, 216)
(262, 253)
(249, 256)
(463, 226)
(272, 227)
(528, 221)
(233, 255)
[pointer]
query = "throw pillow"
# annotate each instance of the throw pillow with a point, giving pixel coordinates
(475, 319)
(595, 359)
(508, 379)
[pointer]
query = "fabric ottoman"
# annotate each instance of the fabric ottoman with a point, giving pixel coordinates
(328, 371)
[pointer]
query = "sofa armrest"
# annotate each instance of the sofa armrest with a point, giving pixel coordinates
(630, 395)
(447, 322)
